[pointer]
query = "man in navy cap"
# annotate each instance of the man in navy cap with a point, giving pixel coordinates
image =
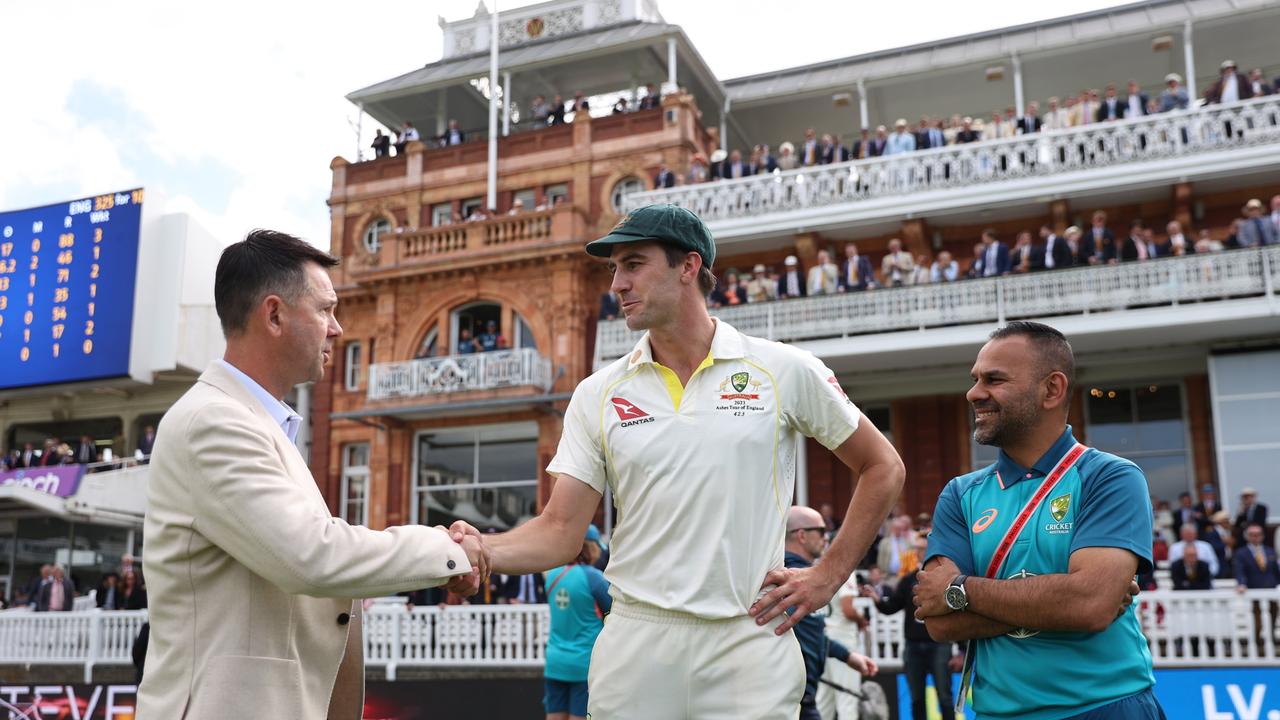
(696, 431)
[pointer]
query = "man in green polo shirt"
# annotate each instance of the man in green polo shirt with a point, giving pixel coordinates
(1033, 558)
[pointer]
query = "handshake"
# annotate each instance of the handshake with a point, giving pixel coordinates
(472, 543)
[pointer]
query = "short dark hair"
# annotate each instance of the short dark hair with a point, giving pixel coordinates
(1053, 351)
(989, 232)
(266, 262)
(706, 278)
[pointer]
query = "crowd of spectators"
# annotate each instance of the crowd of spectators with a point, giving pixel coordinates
(1202, 541)
(1045, 249)
(54, 452)
(53, 589)
(1087, 107)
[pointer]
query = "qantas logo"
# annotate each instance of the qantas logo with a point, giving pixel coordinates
(629, 413)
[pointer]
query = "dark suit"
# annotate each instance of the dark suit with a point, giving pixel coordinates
(45, 596)
(1090, 246)
(609, 306)
(511, 589)
(1219, 546)
(1249, 574)
(1182, 580)
(968, 136)
(768, 166)
(50, 457)
(1110, 109)
(1002, 262)
(1142, 97)
(875, 147)
(27, 459)
(1255, 515)
(1028, 125)
(146, 443)
(800, 284)
(863, 274)
(665, 179)
(1183, 515)
(1243, 86)
(1124, 251)
(1061, 253)
(86, 452)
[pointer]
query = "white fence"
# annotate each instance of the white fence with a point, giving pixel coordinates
(479, 371)
(1075, 291)
(1153, 137)
(1190, 628)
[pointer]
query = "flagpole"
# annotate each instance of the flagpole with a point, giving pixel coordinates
(493, 110)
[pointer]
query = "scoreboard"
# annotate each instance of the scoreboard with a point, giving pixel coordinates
(68, 274)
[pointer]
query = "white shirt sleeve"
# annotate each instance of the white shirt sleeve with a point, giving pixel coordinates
(581, 453)
(814, 404)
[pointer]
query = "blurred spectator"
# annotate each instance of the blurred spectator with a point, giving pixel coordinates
(1174, 96)
(1221, 538)
(620, 107)
(1207, 506)
(29, 457)
(490, 339)
(1177, 244)
(856, 273)
(897, 556)
(1275, 213)
(539, 110)
(517, 207)
(1030, 121)
(665, 178)
(1233, 236)
(877, 145)
(1024, 258)
(976, 262)
(1256, 230)
(920, 273)
(580, 104)
(1057, 251)
(582, 600)
(86, 451)
(452, 135)
(735, 168)
(57, 595)
(148, 440)
(133, 591)
(762, 161)
(1136, 102)
(760, 287)
(1111, 108)
(731, 292)
(1251, 512)
(1095, 241)
(996, 258)
(466, 343)
(556, 115)
(609, 309)
(31, 591)
(1162, 519)
(698, 172)
(809, 151)
(967, 134)
(1055, 118)
(1191, 573)
(786, 156)
(108, 594)
(1153, 249)
(1185, 513)
(717, 170)
(824, 276)
(1258, 84)
(408, 134)
(1231, 85)
(381, 144)
(525, 589)
(651, 100)
(792, 282)
(1255, 563)
(900, 141)
(1189, 536)
(896, 267)
(944, 269)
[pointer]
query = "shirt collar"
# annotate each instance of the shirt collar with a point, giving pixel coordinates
(1011, 472)
(726, 344)
(283, 415)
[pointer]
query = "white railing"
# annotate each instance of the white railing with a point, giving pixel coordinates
(1083, 290)
(1211, 627)
(1152, 137)
(455, 373)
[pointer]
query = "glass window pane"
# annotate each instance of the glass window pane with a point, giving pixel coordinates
(485, 508)
(357, 455)
(1248, 421)
(1111, 426)
(446, 459)
(507, 460)
(1167, 475)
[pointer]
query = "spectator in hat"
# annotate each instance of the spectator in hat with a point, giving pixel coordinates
(787, 156)
(792, 282)
(1174, 96)
(1255, 230)
(578, 599)
(760, 288)
(1251, 511)
(1232, 85)
(900, 141)
(1222, 536)
(717, 169)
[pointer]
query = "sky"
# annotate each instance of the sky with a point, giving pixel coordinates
(232, 111)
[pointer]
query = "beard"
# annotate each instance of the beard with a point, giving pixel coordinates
(1011, 422)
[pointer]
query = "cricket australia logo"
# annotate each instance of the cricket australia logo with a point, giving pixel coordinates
(739, 382)
(1022, 633)
(1058, 508)
(562, 599)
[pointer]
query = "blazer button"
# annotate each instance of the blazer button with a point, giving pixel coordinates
(344, 618)
(451, 564)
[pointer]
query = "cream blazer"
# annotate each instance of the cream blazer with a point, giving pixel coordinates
(251, 580)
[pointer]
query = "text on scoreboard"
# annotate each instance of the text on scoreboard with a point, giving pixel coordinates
(67, 278)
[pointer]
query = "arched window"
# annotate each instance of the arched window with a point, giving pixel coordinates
(622, 188)
(373, 234)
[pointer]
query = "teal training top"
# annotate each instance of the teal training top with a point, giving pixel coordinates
(578, 602)
(1102, 501)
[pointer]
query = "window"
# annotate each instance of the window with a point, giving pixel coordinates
(485, 475)
(441, 214)
(352, 366)
(554, 192)
(528, 198)
(353, 506)
(373, 234)
(1147, 425)
(622, 188)
(470, 206)
(428, 346)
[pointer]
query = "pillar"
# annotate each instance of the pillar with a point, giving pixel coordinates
(1181, 202)
(1060, 212)
(1189, 54)
(915, 240)
(671, 85)
(1017, 83)
(807, 249)
(506, 103)
(863, 115)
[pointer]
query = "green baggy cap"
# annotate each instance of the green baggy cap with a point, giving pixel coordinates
(667, 224)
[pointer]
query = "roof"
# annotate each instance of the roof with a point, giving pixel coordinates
(555, 50)
(1148, 16)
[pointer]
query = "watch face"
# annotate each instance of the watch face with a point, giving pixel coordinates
(955, 598)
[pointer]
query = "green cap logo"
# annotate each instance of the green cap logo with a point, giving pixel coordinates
(1058, 507)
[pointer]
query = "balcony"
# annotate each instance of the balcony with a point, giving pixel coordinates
(1095, 292)
(1212, 141)
(459, 373)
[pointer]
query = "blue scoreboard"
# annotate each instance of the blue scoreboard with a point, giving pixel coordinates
(67, 278)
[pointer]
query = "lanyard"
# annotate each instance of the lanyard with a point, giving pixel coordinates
(1006, 544)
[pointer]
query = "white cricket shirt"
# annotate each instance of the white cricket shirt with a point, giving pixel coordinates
(702, 475)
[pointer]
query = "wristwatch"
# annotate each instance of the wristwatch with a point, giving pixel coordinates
(955, 595)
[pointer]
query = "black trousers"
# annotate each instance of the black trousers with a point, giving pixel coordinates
(809, 707)
(922, 659)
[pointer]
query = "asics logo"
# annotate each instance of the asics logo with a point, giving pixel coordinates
(984, 520)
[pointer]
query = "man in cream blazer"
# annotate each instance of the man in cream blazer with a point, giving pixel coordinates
(253, 585)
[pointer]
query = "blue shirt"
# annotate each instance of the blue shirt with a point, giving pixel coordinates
(900, 143)
(1102, 501)
(283, 415)
(578, 596)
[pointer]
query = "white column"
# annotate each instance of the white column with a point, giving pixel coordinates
(506, 104)
(492, 199)
(802, 471)
(671, 85)
(863, 115)
(1189, 52)
(303, 440)
(360, 133)
(1017, 84)
(724, 125)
